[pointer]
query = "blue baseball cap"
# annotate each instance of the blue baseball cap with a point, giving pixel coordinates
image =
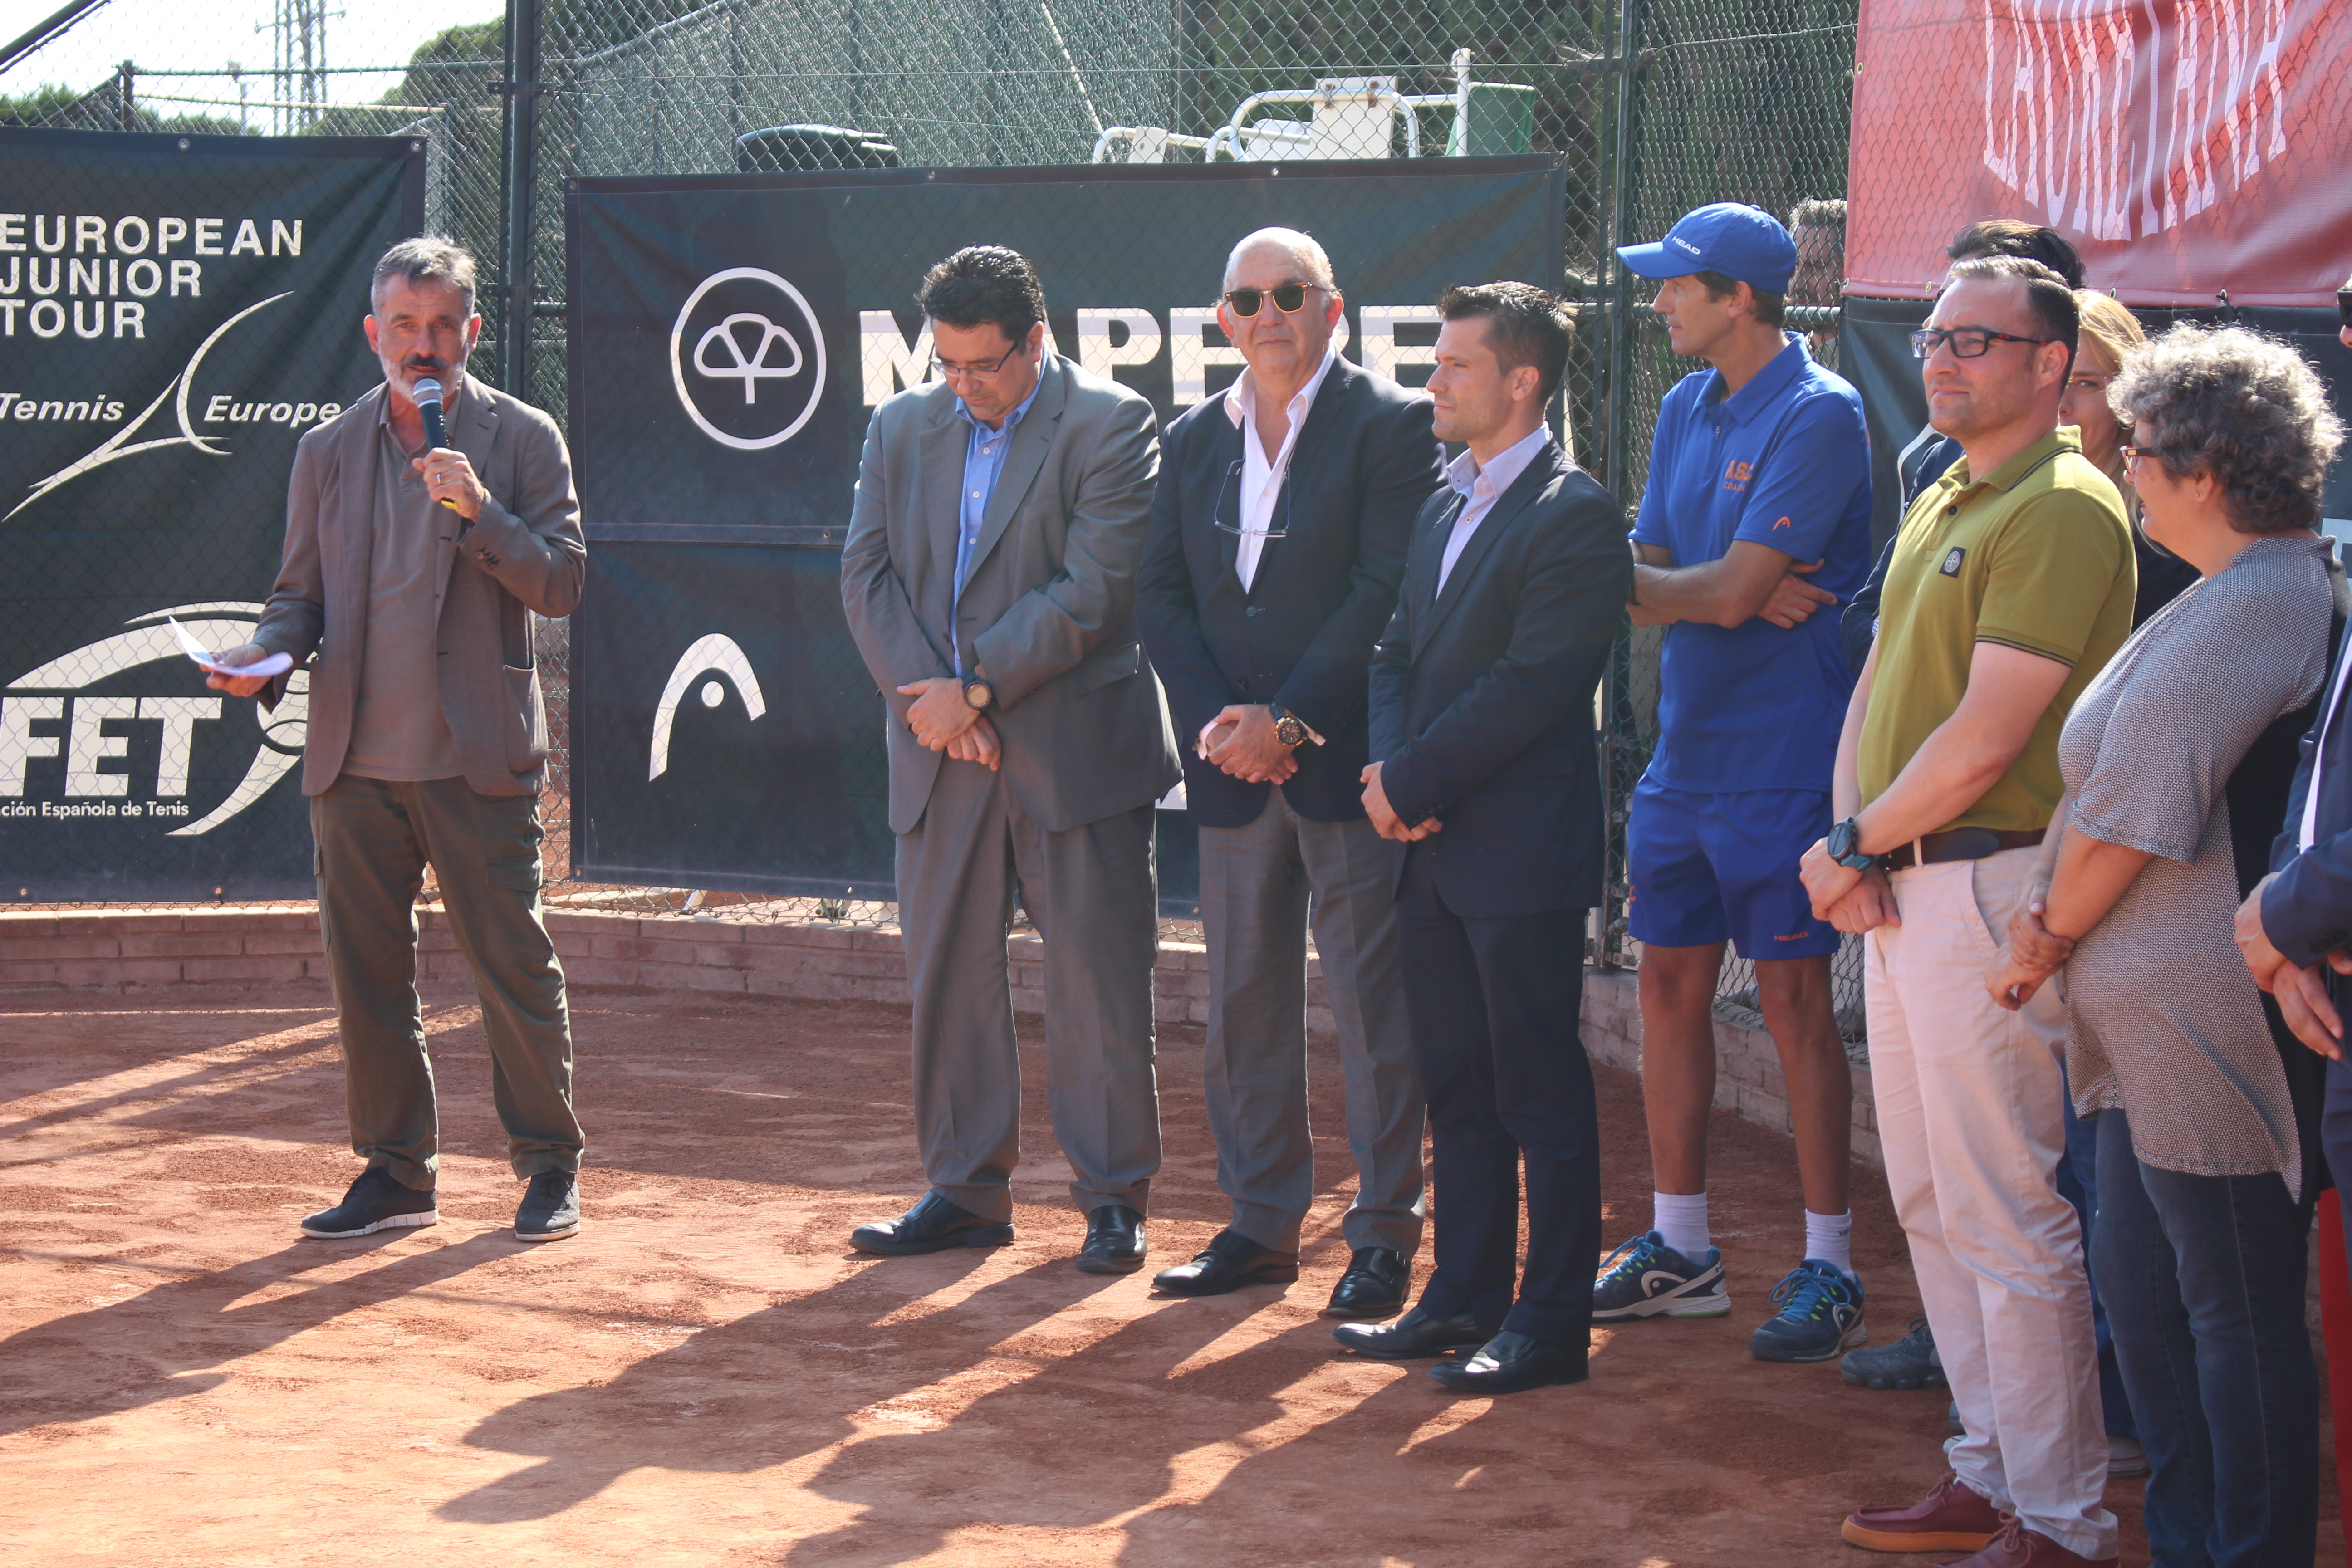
(1740, 241)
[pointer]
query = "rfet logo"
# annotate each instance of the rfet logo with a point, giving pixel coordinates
(747, 357)
(74, 722)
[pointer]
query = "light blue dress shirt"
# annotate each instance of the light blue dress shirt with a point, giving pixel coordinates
(983, 460)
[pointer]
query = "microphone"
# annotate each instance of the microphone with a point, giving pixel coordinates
(427, 395)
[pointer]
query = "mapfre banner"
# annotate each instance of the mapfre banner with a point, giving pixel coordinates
(731, 338)
(2187, 147)
(175, 312)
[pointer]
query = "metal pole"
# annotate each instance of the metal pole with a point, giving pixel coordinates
(1627, 78)
(128, 116)
(1616, 706)
(522, 184)
(46, 33)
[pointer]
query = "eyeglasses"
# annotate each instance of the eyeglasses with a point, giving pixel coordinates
(1232, 472)
(1289, 298)
(943, 371)
(2133, 455)
(1966, 342)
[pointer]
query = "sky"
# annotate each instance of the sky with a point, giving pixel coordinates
(205, 35)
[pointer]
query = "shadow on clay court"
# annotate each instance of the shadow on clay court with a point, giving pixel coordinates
(168, 1099)
(1004, 1457)
(786, 1383)
(165, 1343)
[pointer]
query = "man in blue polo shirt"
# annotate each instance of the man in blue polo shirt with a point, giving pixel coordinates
(1756, 515)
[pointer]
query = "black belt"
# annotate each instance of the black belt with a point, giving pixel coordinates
(1960, 844)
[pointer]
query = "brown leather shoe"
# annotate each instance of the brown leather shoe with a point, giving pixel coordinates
(1949, 1519)
(2017, 1547)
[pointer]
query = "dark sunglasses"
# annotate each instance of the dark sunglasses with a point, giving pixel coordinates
(2343, 305)
(1232, 472)
(1289, 298)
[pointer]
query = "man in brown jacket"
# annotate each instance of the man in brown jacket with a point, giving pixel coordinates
(412, 571)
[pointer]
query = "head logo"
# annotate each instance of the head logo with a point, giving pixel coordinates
(57, 692)
(710, 655)
(732, 317)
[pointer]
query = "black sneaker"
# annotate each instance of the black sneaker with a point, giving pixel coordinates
(375, 1202)
(551, 1207)
(1820, 1315)
(1647, 1278)
(1910, 1361)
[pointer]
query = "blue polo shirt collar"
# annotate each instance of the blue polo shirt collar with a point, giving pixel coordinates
(1765, 387)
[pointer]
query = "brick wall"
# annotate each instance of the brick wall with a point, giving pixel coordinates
(816, 961)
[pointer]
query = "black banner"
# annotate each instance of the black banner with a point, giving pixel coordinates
(174, 312)
(730, 337)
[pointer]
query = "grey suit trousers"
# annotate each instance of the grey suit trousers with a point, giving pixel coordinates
(1254, 888)
(375, 838)
(1093, 892)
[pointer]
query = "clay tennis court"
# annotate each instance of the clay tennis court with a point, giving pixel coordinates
(707, 1375)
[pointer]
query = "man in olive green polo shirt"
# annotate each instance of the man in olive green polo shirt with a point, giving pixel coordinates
(2007, 594)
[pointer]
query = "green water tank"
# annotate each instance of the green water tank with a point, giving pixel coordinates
(1497, 120)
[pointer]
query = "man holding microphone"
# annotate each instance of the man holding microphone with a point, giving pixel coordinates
(411, 569)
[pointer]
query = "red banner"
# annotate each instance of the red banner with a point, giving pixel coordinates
(2187, 147)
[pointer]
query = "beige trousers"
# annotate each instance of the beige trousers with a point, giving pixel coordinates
(1971, 1112)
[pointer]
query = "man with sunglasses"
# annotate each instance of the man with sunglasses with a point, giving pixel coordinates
(1756, 515)
(1277, 540)
(2010, 587)
(989, 581)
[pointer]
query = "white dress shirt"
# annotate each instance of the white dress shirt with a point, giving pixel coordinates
(1481, 488)
(1261, 476)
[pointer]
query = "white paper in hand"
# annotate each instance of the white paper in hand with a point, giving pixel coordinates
(275, 664)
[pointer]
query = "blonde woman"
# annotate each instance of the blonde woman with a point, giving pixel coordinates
(2109, 332)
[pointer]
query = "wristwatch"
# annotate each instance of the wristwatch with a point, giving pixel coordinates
(977, 692)
(1844, 846)
(1288, 728)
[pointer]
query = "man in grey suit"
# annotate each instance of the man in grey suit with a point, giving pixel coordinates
(989, 579)
(412, 571)
(1277, 541)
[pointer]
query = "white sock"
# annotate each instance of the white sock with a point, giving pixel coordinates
(1830, 1238)
(1681, 1218)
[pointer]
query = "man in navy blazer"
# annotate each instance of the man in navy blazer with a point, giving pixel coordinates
(2295, 927)
(1277, 540)
(1486, 775)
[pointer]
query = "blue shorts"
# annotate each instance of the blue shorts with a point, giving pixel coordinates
(1705, 867)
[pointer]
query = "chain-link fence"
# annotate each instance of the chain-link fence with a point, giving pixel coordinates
(1652, 105)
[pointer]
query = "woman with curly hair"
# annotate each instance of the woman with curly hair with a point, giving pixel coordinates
(2177, 761)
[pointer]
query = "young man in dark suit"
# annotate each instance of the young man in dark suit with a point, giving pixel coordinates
(1277, 540)
(1486, 776)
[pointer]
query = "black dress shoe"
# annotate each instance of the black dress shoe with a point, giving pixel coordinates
(1374, 1286)
(1509, 1362)
(1411, 1337)
(933, 1225)
(1232, 1261)
(1115, 1243)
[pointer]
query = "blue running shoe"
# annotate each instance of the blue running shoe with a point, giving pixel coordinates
(1647, 1278)
(1820, 1316)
